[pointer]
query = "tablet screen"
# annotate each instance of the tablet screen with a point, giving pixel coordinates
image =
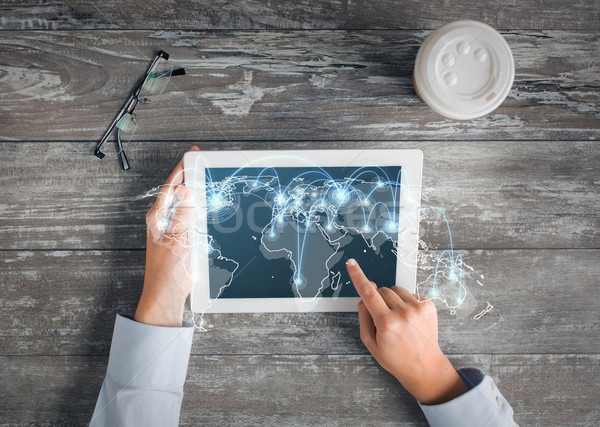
(287, 232)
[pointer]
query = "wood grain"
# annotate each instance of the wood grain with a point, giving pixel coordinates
(64, 303)
(288, 14)
(564, 388)
(517, 194)
(520, 187)
(544, 390)
(353, 390)
(298, 85)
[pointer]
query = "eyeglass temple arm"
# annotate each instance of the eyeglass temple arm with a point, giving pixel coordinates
(123, 160)
(122, 157)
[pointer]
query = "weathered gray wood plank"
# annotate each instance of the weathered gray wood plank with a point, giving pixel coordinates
(544, 301)
(550, 389)
(505, 181)
(302, 390)
(288, 14)
(332, 85)
(515, 194)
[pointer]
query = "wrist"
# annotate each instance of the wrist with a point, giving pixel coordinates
(439, 383)
(165, 310)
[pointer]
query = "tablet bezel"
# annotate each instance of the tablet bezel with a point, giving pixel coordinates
(195, 162)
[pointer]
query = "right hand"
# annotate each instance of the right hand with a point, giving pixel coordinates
(401, 333)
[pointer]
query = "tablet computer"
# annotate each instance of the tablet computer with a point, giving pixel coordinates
(271, 231)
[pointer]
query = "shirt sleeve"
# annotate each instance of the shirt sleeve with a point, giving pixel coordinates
(146, 372)
(482, 405)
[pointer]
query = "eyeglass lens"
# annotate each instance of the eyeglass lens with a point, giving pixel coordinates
(126, 129)
(156, 81)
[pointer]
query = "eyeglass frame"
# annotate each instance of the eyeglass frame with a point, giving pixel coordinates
(129, 107)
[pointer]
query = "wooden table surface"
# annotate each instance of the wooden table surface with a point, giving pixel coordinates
(520, 186)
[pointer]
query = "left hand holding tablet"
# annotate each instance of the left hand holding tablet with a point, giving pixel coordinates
(167, 281)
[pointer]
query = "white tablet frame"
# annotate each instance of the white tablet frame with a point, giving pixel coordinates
(195, 162)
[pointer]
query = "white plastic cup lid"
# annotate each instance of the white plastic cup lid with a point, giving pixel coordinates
(464, 70)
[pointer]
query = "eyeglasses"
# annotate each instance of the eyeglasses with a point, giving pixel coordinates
(154, 82)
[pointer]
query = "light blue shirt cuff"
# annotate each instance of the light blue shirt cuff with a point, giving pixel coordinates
(482, 405)
(149, 356)
(146, 372)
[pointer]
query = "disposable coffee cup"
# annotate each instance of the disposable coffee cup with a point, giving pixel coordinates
(464, 70)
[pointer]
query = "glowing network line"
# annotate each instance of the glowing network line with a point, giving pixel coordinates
(315, 203)
(311, 200)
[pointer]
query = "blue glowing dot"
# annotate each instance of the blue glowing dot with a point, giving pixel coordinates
(216, 202)
(340, 195)
(366, 228)
(434, 292)
(272, 234)
(314, 194)
(391, 226)
(379, 184)
(254, 184)
(366, 202)
(280, 219)
(329, 227)
(453, 276)
(280, 199)
(298, 280)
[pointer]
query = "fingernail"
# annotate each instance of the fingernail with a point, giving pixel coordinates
(179, 195)
(351, 263)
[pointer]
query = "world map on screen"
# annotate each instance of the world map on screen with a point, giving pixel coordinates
(288, 231)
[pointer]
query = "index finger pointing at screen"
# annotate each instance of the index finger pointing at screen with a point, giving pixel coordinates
(372, 299)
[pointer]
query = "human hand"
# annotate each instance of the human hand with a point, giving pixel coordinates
(401, 333)
(167, 281)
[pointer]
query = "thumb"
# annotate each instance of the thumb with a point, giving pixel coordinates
(180, 214)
